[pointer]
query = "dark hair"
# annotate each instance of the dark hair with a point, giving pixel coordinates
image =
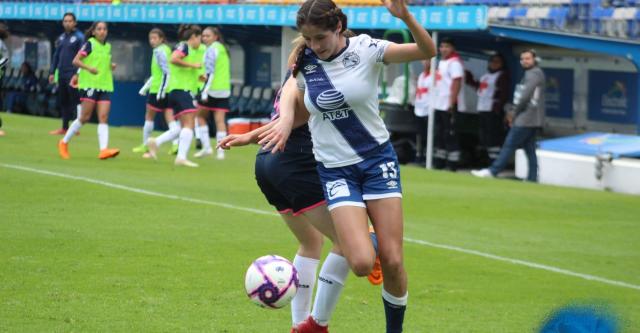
(73, 16)
(533, 54)
(448, 40)
(324, 14)
(158, 32)
(89, 32)
(185, 31)
(4, 31)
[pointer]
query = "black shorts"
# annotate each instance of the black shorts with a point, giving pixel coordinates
(181, 102)
(95, 96)
(289, 180)
(215, 104)
(157, 105)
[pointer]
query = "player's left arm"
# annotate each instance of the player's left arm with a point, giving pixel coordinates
(423, 48)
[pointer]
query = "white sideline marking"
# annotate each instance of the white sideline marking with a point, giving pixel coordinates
(263, 212)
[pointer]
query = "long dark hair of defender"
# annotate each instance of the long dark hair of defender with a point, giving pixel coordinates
(323, 14)
(185, 31)
(89, 32)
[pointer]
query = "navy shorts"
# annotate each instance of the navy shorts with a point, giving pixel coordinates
(95, 96)
(377, 177)
(157, 105)
(181, 102)
(215, 104)
(289, 180)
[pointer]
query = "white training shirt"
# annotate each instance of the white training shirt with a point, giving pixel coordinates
(449, 70)
(341, 96)
(424, 95)
(486, 91)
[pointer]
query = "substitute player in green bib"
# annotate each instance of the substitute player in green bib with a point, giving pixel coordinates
(95, 81)
(216, 92)
(156, 87)
(184, 67)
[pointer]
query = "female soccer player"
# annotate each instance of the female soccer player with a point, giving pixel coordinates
(289, 181)
(156, 87)
(183, 81)
(95, 81)
(216, 92)
(338, 78)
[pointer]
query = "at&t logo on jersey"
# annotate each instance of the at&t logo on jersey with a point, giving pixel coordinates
(337, 189)
(331, 104)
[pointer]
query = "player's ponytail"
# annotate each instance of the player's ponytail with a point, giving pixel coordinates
(185, 31)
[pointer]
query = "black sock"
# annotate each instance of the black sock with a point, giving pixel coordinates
(395, 316)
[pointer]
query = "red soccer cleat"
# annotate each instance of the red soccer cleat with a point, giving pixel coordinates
(310, 326)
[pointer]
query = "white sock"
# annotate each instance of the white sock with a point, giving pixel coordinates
(301, 303)
(401, 301)
(204, 137)
(219, 136)
(78, 110)
(146, 130)
(73, 129)
(186, 135)
(333, 274)
(176, 126)
(103, 136)
(171, 134)
(196, 129)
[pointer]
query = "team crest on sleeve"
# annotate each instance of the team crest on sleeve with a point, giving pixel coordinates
(337, 189)
(350, 60)
(73, 39)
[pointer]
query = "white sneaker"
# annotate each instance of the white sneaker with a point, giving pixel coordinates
(187, 163)
(203, 152)
(220, 154)
(153, 148)
(482, 173)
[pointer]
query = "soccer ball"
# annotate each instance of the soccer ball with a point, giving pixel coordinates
(271, 282)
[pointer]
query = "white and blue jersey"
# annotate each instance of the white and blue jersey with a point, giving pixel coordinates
(350, 140)
(341, 96)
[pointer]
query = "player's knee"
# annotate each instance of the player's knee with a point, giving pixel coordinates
(361, 266)
(392, 263)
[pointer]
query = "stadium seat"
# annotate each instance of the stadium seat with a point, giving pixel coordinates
(243, 99)
(253, 102)
(265, 105)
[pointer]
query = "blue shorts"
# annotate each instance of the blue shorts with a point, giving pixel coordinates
(95, 96)
(181, 102)
(377, 177)
(155, 104)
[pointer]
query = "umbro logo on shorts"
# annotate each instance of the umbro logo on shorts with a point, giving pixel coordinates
(338, 189)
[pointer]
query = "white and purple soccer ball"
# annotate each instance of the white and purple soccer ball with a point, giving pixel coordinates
(271, 281)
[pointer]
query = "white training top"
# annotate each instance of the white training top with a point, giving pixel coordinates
(342, 99)
(486, 90)
(449, 70)
(424, 95)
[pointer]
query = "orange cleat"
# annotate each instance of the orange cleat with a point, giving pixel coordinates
(108, 153)
(309, 325)
(63, 149)
(375, 277)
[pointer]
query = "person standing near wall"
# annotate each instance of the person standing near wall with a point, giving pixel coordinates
(448, 103)
(493, 94)
(66, 48)
(423, 107)
(526, 117)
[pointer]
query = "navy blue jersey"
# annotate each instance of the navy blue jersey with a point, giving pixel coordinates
(67, 46)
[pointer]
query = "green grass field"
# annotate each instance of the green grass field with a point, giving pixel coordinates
(85, 256)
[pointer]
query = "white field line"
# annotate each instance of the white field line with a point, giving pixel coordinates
(264, 212)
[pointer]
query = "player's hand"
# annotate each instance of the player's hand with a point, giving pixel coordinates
(397, 8)
(275, 139)
(197, 65)
(234, 140)
(52, 79)
(202, 78)
(93, 70)
(453, 108)
(74, 82)
(113, 66)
